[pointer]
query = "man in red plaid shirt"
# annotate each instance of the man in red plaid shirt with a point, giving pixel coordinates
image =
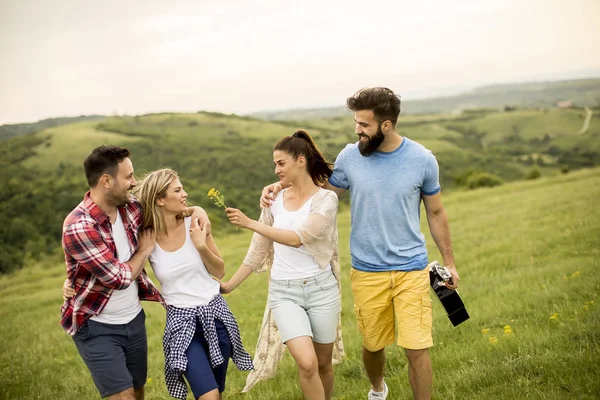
(105, 255)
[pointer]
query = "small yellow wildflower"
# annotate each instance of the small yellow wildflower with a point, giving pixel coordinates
(554, 317)
(507, 330)
(149, 380)
(485, 331)
(585, 307)
(575, 274)
(217, 197)
(493, 339)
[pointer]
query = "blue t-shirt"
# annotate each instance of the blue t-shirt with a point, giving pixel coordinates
(385, 196)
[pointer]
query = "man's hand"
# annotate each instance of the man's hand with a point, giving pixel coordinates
(269, 193)
(68, 291)
(146, 241)
(202, 216)
(198, 234)
(453, 283)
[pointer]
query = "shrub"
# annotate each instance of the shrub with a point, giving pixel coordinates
(483, 179)
(533, 173)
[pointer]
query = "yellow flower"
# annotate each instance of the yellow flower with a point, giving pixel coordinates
(493, 339)
(149, 380)
(507, 330)
(585, 307)
(485, 331)
(575, 274)
(217, 197)
(554, 317)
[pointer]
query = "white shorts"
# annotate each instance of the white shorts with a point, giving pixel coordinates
(306, 307)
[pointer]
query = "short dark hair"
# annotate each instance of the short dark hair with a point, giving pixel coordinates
(384, 103)
(103, 160)
(302, 144)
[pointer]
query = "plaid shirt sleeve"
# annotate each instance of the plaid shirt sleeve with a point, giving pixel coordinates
(85, 244)
(135, 208)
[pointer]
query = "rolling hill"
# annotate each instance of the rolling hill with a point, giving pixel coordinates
(10, 130)
(579, 92)
(42, 177)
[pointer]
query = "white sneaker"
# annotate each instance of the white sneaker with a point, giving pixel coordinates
(378, 395)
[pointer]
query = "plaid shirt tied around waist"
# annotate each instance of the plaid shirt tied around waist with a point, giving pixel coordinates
(179, 331)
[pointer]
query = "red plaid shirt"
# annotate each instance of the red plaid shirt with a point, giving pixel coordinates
(92, 263)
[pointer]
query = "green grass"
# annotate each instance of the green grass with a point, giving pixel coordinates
(71, 143)
(525, 251)
(530, 124)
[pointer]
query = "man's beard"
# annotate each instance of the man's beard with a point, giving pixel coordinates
(369, 146)
(119, 198)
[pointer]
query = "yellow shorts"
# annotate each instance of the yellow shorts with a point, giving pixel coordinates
(383, 298)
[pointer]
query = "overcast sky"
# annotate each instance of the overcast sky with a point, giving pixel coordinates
(66, 58)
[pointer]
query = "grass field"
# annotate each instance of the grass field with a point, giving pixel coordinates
(528, 256)
(71, 143)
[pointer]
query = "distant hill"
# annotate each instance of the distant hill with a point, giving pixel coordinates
(42, 177)
(10, 130)
(580, 92)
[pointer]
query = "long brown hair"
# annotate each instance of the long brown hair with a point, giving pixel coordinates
(302, 144)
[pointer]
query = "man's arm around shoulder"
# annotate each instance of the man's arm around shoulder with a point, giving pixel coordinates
(337, 190)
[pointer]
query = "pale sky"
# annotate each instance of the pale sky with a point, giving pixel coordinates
(67, 58)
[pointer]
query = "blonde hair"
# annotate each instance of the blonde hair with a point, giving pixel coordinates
(153, 187)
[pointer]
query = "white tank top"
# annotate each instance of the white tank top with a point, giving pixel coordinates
(184, 280)
(290, 262)
(123, 305)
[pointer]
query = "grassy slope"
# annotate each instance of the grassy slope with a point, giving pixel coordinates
(69, 143)
(11, 130)
(525, 251)
(503, 138)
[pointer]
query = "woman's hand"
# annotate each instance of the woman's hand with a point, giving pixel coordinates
(225, 287)
(198, 234)
(68, 291)
(238, 218)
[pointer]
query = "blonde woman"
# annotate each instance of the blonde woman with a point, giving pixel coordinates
(296, 240)
(201, 333)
